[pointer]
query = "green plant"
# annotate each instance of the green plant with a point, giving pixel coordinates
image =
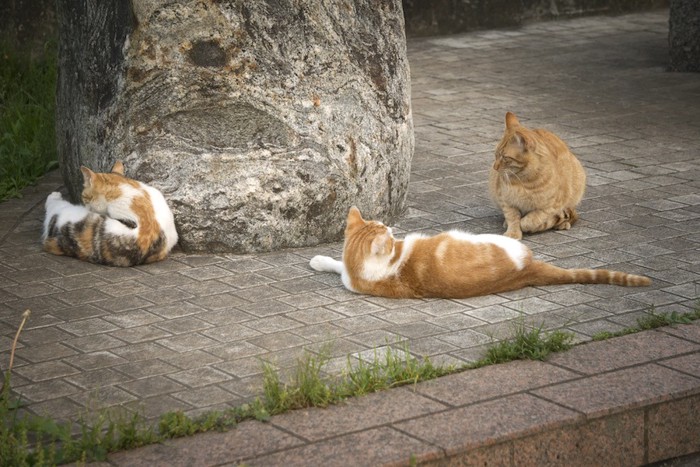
(27, 134)
(652, 320)
(526, 344)
(396, 368)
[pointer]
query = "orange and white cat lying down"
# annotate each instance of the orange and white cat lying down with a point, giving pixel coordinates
(452, 264)
(123, 222)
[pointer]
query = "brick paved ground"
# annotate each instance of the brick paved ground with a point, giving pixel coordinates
(189, 333)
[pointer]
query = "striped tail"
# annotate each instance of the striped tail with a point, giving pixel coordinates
(539, 273)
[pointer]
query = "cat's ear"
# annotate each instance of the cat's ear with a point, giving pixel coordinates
(118, 168)
(88, 176)
(382, 244)
(511, 120)
(354, 217)
(524, 141)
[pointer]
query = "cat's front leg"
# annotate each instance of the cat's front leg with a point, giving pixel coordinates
(512, 216)
(326, 264)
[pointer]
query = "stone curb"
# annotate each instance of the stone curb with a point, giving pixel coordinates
(519, 413)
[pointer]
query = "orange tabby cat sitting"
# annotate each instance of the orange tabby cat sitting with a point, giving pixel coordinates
(536, 181)
(452, 264)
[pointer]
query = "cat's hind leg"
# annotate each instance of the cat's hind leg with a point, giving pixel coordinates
(326, 264)
(541, 220)
(567, 218)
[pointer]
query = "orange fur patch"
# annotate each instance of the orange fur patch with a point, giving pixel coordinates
(149, 229)
(51, 246)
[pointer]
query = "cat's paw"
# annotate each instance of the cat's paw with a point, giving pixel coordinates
(53, 198)
(318, 262)
(516, 234)
(326, 264)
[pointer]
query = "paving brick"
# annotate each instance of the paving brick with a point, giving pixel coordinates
(132, 318)
(673, 429)
(243, 367)
(102, 397)
(45, 371)
(95, 360)
(124, 289)
(165, 295)
(198, 377)
(81, 296)
(206, 273)
(46, 352)
(46, 390)
(493, 381)
(621, 390)
(88, 327)
(94, 342)
(187, 342)
(689, 332)
(97, 378)
(186, 324)
(206, 289)
(618, 439)
(140, 334)
(224, 316)
(629, 350)
(61, 408)
(356, 414)
(494, 313)
(146, 367)
(483, 423)
(41, 336)
(176, 310)
(354, 308)
(152, 386)
(320, 332)
(248, 441)
(273, 324)
(231, 333)
(153, 407)
(191, 359)
(279, 341)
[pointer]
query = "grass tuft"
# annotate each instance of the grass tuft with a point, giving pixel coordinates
(532, 344)
(652, 320)
(27, 105)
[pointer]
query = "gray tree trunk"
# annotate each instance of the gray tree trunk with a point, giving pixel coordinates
(684, 35)
(262, 122)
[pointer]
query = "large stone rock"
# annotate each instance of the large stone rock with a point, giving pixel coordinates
(262, 122)
(684, 35)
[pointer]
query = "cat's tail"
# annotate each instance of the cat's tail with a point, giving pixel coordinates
(540, 273)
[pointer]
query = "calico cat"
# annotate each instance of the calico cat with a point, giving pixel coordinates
(122, 223)
(536, 181)
(452, 264)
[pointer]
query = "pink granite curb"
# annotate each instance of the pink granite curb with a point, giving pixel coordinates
(581, 407)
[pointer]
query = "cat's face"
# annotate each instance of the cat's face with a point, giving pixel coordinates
(99, 189)
(366, 239)
(515, 150)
